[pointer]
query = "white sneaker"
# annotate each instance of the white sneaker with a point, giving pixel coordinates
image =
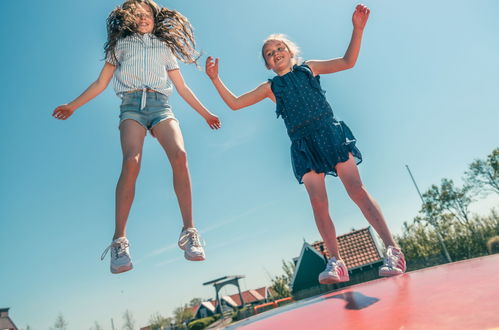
(190, 242)
(336, 271)
(394, 263)
(120, 255)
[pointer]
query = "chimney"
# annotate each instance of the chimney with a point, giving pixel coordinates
(4, 312)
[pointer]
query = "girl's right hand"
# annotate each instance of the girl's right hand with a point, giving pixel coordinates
(211, 68)
(212, 121)
(63, 112)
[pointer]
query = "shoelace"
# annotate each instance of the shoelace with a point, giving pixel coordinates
(391, 259)
(119, 249)
(194, 239)
(330, 264)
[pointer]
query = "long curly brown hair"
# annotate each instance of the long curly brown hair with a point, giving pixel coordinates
(170, 27)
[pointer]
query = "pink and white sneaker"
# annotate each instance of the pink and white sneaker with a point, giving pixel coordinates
(394, 263)
(336, 271)
(120, 255)
(190, 242)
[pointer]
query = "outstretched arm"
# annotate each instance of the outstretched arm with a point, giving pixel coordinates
(359, 20)
(236, 102)
(65, 111)
(191, 99)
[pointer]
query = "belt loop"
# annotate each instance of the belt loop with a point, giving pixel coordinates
(144, 98)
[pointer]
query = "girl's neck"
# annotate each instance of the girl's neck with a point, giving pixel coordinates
(284, 71)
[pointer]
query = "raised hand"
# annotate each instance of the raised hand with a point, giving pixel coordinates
(211, 67)
(360, 16)
(63, 112)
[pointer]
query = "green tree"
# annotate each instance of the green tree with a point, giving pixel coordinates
(195, 301)
(280, 287)
(158, 322)
(281, 284)
(129, 321)
(440, 202)
(483, 175)
(421, 247)
(60, 323)
(182, 314)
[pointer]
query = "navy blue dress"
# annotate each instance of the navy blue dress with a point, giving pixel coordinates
(318, 140)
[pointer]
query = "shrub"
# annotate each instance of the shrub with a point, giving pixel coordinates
(493, 245)
(201, 323)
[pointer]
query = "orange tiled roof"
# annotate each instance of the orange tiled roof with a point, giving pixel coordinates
(357, 248)
(250, 296)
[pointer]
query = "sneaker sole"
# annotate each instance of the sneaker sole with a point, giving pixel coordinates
(121, 269)
(390, 273)
(193, 258)
(333, 280)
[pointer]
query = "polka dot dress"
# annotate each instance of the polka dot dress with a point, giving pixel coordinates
(318, 140)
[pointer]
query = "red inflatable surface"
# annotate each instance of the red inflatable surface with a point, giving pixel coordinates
(460, 295)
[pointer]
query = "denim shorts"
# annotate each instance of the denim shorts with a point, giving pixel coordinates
(156, 108)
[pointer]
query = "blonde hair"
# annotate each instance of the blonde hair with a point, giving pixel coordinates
(292, 47)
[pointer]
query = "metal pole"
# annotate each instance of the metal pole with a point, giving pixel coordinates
(112, 324)
(441, 240)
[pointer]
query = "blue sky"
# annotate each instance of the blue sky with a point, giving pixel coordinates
(423, 93)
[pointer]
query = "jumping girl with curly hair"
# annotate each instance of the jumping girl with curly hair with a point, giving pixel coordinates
(143, 45)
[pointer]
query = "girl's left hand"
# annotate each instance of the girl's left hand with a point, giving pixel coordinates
(360, 16)
(213, 121)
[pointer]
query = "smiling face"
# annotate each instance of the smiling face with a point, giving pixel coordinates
(277, 55)
(144, 18)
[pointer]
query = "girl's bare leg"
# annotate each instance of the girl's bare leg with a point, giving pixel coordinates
(170, 137)
(349, 175)
(132, 139)
(316, 188)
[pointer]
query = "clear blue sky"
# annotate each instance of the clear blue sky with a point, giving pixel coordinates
(423, 93)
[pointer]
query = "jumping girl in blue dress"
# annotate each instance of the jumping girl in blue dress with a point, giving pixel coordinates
(320, 144)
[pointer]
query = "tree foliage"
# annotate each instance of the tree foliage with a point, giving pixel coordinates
(445, 213)
(60, 323)
(157, 321)
(182, 314)
(483, 175)
(281, 284)
(129, 321)
(96, 326)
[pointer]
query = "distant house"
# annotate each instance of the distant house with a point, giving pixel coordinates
(257, 296)
(361, 251)
(208, 308)
(5, 322)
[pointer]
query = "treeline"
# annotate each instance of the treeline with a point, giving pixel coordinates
(444, 229)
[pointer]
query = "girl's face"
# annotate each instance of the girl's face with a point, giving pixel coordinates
(277, 56)
(144, 18)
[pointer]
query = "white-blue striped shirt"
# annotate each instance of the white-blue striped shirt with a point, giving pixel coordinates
(143, 62)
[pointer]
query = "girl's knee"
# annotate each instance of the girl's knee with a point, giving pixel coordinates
(356, 190)
(179, 159)
(319, 202)
(131, 164)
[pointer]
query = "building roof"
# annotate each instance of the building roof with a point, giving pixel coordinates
(357, 248)
(250, 296)
(233, 300)
(5, 321)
